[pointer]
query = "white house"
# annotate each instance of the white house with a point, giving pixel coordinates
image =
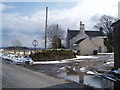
(86, 41)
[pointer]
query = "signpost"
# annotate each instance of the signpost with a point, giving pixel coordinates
(35, 43)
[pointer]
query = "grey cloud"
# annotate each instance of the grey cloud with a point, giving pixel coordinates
(29, 28)
(95, 17)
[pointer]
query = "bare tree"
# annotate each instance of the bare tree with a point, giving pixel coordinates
(55, 34)
(56, 42)
(105, 23)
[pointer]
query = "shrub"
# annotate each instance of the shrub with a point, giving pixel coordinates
(52, 55)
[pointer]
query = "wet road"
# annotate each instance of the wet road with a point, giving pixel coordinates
(14, 76)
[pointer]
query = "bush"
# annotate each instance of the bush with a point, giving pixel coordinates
(78, 52)
(52, 55)
(109, 46)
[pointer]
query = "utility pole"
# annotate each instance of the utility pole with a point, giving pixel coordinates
(57, 36)
(46, 28)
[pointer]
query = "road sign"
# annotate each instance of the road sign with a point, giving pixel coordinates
(35, 43)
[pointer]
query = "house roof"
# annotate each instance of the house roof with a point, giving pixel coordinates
(73, 33)
(79, 41)
(94, 33)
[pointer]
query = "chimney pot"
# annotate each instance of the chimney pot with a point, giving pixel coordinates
(80, 22)
(82, 28)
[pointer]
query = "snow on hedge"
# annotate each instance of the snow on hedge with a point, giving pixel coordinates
(15, 58)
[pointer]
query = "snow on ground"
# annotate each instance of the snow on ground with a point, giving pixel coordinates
(82, 69)
(55, 62)
(86, 57)
(67, 60)
(105, 53)
(62, 68)
(117, 71)
(15, 58)
(109, 63)
(47, 62)
(90, 72)
(21, 59)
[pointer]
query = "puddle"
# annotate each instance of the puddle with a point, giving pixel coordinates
(77, 72)
(88, 72)
(91, 80)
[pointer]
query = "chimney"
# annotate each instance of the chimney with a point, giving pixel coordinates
(82, 28)
(80, 25)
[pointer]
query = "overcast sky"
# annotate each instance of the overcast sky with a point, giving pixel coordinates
(25, 21)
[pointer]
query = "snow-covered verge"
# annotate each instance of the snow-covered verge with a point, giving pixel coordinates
(21, 59)
(86, 57)
(15, 58)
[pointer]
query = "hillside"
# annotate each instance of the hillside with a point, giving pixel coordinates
(17, 47)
